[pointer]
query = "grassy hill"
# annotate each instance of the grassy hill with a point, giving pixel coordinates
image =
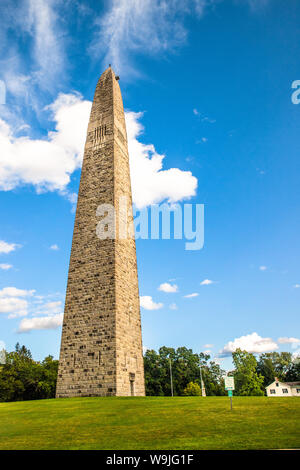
(151, 423)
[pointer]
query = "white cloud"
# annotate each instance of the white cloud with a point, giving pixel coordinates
(39, 297)
(296, 356)
(54, 247)
(21, 302)
(263, 268)
(208, 346)
(169, 288)
(286, 340)
(53, 305)
(5, 267)
(14, 306)
(206, 282)
(207, 351)
(38, 67)
(190, 296)
(46, 305)
(4, 246)
(46, 163)
(14, 292)
(147, 303)
(41, 22)
(49, 308)
(151, 27)
(253, 343)
(296, 286)
(173, 307)
(147, 26)
(11, 303)
(40, 323)
(2, 345)
(16, 83)
(150, 182)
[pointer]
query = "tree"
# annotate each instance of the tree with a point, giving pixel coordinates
(192, 389)
(293, 372)
(155, 374)
(22, 378)
(185, 369)
(213, 378)
(274, 364)
(247, 381)
(49, 377)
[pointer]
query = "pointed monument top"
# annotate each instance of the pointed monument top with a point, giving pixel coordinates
(107, 72)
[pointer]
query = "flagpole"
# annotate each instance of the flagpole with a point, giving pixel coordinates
(203, 392)
(171, 378)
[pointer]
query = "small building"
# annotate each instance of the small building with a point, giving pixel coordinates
(283, 389)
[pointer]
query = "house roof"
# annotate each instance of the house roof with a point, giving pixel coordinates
(292, 383)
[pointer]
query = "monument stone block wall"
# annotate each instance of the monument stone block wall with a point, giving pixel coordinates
(101, 346)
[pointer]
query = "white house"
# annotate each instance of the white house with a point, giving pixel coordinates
(283, 389)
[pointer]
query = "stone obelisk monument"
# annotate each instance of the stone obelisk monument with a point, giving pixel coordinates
(101, 346)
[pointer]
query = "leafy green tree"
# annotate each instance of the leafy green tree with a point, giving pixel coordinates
(213, 379)
(293, 372)
(247, 381)
(192, 389)
(155, 374)
(49, 377)
(22, 378)
(274, 364)
(185, 369)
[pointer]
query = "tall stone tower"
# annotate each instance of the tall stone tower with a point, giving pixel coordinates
(101, 347)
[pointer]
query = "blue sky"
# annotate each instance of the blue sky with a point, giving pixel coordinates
(208, 86)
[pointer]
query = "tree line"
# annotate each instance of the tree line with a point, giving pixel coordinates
(251, 375)
(185, 367)
(22, 378)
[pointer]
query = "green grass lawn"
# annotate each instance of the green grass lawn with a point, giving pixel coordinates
(151, 423)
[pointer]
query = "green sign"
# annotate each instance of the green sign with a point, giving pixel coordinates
(230, 393)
